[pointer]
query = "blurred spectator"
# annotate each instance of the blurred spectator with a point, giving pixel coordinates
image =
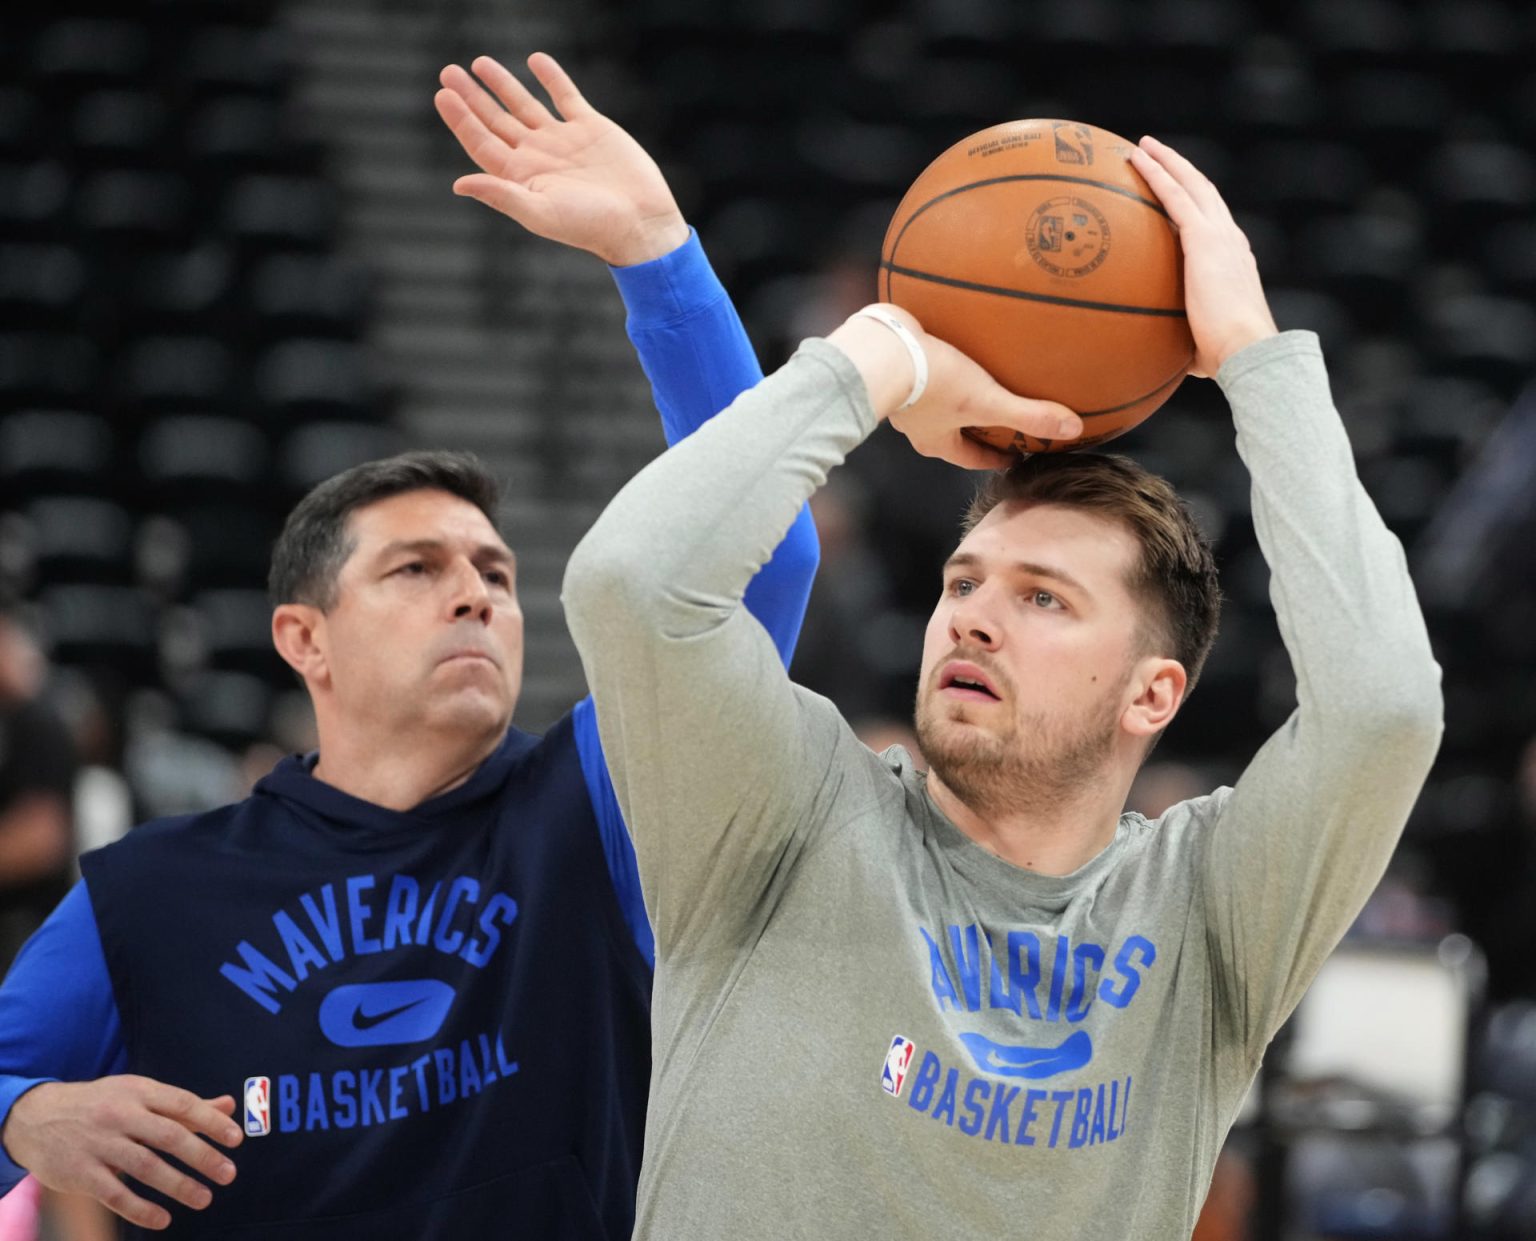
(104, 807)
(842, 646)
(1477, 550)
(881, 732)
(1510, 930)
(1230, 1202)
(1402, 908)
(1163, 784)
(37, 774)
(19, 1212)
(171, 771)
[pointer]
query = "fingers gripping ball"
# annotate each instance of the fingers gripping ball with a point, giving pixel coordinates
(1037, 249)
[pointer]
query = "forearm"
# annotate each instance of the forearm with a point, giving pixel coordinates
(58, 1015)
(681, 541)
(1339, 583)
(694, 350)
(689, 338)
(712, 752)
(1308, 830)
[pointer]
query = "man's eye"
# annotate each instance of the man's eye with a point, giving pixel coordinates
(1044, 599)
(497, 578)
(962, 586)
(415, 569)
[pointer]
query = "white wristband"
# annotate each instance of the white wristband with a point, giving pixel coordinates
(914, 350)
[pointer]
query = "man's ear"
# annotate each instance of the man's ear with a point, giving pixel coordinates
(1160, 684)
(299, 634)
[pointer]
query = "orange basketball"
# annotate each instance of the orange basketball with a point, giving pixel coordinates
(1037, 249)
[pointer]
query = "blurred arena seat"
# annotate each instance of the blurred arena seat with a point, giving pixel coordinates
(81, 52)
(46, 367)
(178, 289)
(235, 631)
(315, 451)
(52, 451)
(21, 128)
(102, 626)
(270, 211)
(1372, 1087)
(80, 539)
(41, 284)
(161, 374)
(188, 459)
(131, 206)
(290, 294)
(307, 378)
(119, 127)
(33, 196)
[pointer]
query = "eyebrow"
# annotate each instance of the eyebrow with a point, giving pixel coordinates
(483, 551)
(969, 560)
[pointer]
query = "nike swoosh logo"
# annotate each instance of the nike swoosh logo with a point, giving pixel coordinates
(366, 1021)
(1022, 1060)
(385, 1014)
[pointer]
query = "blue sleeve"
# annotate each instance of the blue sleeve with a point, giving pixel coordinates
(696, 354)
(618, 851)
(58, 1017)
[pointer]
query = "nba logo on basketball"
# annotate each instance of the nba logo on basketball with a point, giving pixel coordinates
(896, 1061)
(258, 1106)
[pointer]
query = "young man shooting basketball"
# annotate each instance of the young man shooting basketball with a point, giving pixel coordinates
(983, 1002)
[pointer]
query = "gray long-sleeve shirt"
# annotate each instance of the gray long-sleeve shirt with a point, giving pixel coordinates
(865, 1024)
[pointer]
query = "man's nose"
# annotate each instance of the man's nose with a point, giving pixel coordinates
(972, 622)
(471, 596)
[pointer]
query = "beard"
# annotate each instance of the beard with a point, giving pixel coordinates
(1035, 760)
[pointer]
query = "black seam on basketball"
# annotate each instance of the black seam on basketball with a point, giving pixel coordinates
(1177, 376)
(1029, 176)
(1050, 299)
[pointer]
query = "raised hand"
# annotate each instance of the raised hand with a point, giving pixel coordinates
(570, 174)
(82, 1137)
(959, 394)
(1222, 291)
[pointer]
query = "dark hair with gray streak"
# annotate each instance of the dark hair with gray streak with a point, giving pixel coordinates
(309, 553)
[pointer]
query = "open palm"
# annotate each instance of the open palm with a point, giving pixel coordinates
(571, 174)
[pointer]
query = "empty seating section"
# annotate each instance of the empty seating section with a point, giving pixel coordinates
(178, 343)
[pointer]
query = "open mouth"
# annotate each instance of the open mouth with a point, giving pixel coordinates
(960, 680)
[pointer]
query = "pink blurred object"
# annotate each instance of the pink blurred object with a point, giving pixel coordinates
(18, 1212)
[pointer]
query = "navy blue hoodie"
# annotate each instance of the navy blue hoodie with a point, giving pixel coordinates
(442, 1010)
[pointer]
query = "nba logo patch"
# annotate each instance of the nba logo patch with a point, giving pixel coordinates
(897, 1058)
(258, 1106)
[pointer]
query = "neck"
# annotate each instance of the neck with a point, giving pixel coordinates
(402, 775)
(1055, 836)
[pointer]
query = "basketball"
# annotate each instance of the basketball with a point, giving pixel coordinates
(1036, 248)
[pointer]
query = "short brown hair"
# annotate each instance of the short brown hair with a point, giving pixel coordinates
(1177, 573)
(314, 544)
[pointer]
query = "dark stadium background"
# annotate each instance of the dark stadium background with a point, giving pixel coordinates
(230, 265)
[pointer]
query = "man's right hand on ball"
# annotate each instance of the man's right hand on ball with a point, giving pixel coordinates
(959, 394)
(83, 1137)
